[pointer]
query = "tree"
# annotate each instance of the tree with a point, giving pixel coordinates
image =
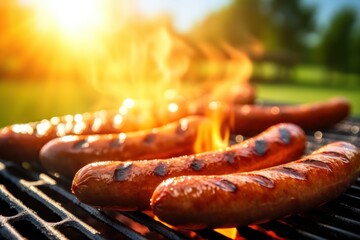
(278, 24)
(292, 21)
(238, 24)
(354, 56)
(335, 44)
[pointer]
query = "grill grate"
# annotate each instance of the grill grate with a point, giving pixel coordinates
(34, 205)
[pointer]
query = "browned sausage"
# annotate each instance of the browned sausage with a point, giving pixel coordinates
(22, 142)
(66, 155)
(245, 198)
(129, 185)
(252, 119)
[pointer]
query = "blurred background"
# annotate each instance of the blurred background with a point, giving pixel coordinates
(62, 57)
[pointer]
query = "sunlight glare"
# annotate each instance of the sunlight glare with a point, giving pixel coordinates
(71, 17)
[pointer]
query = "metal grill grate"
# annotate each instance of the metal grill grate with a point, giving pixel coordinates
(34, 205)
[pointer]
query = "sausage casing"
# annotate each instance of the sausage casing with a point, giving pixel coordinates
(252, 197)
(66, 155)
(252, 119)
(129, 185)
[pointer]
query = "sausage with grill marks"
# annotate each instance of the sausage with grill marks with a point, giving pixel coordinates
(66, 155)
(232, 200)
(129, 185)
(23, 142)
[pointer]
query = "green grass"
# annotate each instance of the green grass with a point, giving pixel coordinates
(27, 101)
(305, 94)
(308, 83)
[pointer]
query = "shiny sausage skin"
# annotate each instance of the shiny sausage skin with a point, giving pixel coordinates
(66, 155)
(129, 185)
(23, 142)
(252, 119)
(232, 200)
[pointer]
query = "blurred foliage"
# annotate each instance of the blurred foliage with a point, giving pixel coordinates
(335, 46)
(278, 31)
(276, 25)
(292, 21)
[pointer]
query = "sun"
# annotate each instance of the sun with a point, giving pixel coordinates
(72, 18)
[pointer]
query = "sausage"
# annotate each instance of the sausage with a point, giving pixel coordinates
(129, 185)
(196, 202)
(252, 119)
(23, 142)
(66, 155)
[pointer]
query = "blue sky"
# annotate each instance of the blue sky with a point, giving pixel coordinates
(188, 12)
(326, 8)
(185, 12)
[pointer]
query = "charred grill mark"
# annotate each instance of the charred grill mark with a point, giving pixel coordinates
(182, 127)
(262, 180)
(180, 131)
(197, 164)
(318, 164)
(337, 155)
(292, 173)
(122, 171)
(285, 135)
(260, 147)
(150, 138)
(229, 157)
(226, 185)
(116, 143)
(161, 169)
(80, 144)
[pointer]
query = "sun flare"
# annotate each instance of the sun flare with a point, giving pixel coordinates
(71, 18)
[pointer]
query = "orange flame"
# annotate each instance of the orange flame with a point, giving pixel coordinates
(212, 135)
(228, 232)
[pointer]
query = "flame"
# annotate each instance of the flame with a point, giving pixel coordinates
(213, 135)
(270, 233)
(228, 232)
(231, 233)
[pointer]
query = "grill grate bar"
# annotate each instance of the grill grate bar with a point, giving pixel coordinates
(286, 230)
(118, 226)
(248, 232)
(67, 219)
(154, 225)
(7, 231)
(316, 227)
(26, 213)
(331, 219)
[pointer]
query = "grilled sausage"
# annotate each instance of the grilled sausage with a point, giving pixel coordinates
(231, 200)
(66, 155)
(23, 142)
(129, 185)
(252, 119)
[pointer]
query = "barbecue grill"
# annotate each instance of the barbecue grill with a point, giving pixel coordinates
(35, 205)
